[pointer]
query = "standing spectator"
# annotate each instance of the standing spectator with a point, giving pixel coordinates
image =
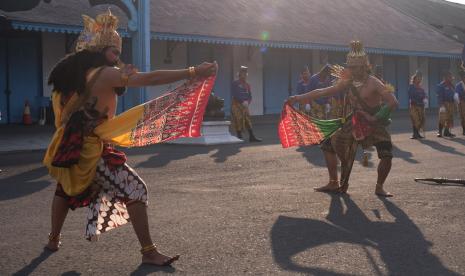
(322, 79)
(417, 98)
(303, 87)
(241, 98)
(460, 89)
(445, 92)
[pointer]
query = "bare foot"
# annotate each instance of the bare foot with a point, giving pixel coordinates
(53, 245)
(381, 192)
(365, 159)
(331, 187)
(156, 258)
(343, 188)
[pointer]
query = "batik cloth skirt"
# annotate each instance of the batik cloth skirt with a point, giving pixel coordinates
(240, 116)
(446, 119)
(337, 108)
(462, 112)
(318, 111)
(417, 115)
(106, 198)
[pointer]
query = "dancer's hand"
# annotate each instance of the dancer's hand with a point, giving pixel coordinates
(293, 99)
(129, 69)
(206, 69)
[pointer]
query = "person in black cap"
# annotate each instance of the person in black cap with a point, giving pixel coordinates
(241, 98)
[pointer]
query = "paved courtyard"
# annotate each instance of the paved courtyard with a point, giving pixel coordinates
(250, 209)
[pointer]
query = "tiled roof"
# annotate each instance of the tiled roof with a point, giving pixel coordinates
(308, 23)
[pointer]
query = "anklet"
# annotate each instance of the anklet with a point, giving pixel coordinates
(54, 237)
(148, 248)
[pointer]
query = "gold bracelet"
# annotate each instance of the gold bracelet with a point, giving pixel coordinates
(148, 248)
(192, 72)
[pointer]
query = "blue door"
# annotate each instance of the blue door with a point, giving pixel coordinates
(402, 81)
(25, 77)
(3, 97)
(21, 63)
(124, 102)
(276, 80)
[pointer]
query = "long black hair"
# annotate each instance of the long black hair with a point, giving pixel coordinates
(69, 74)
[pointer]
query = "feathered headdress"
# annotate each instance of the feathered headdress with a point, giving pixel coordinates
(99, 33)
(357, 55)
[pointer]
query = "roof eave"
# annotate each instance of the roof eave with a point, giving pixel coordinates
(70, 29)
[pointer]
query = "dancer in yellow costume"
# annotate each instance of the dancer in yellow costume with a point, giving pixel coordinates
(90, 172)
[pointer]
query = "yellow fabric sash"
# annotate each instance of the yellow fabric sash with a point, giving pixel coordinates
(176, 114)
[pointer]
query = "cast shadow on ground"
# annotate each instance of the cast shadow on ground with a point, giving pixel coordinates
(405, 155)
(458, 140)
(23, 184)
(28, 269)
(402, 247)
(440, 147)
(162, 155)
(145, 269)
(313, 155)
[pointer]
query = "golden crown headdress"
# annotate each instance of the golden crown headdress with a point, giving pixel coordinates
(99, 33)
(357, 55)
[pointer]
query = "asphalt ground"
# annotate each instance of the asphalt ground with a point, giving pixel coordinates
(250, 209)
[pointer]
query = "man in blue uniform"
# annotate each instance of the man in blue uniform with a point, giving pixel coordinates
(320, 80)
(417, 97)
(303, 86)
(241, 98)
(445, 92)
(460, 89)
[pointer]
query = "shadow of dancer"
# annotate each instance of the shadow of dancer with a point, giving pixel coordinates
(440, 147)
(313, 155)
(145, 269)
(401, 245)
(405, 155)
(23, 184)
(28, 269)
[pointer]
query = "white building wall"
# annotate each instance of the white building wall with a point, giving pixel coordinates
(251, 58)
(53, 49)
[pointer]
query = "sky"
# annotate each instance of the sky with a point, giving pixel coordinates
(457, 1)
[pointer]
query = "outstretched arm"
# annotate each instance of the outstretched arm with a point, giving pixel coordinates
(131, 78)
(318, 93)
